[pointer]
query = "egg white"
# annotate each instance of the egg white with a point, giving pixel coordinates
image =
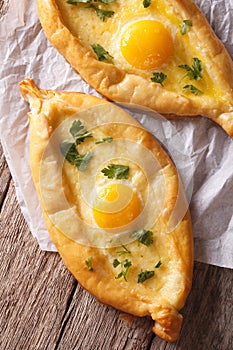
(84, 24)
(74, 203)
(88, 27)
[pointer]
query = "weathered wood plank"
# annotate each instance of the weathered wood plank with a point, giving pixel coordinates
(5, 177)
(4, 4)
(43, 307)
(208, 313)
(35, 286)
(93, 326)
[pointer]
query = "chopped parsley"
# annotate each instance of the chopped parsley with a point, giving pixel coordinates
(69, 149)
(144, 236)
(101, 53)
(71, 154)
(145, 275)
(124, 251)
(185, 26)
(194, 72)
(158, 77)
(75, 132)
(115, 263)
(88, 262)
(193, 89)
(159, 263)
(75, 2)
(102, 14)
(116, 171)
(125, 265)
(146, 3)
(105, 139)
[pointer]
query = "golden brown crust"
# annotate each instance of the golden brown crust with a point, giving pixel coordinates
(160, 300)
(118, 85)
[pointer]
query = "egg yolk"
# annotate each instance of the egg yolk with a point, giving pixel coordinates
(116, 205)
(146, 44)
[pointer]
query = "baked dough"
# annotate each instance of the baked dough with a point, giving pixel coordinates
(73, 29)
(170, 255)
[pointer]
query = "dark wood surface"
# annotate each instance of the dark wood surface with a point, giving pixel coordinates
(43, 307)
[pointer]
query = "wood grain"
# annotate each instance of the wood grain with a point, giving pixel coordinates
(5, 177)
(43, 307)
(4, 4)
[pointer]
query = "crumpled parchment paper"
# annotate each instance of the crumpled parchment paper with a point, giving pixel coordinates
(202, 151)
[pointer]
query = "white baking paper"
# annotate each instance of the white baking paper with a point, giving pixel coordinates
(202, 151)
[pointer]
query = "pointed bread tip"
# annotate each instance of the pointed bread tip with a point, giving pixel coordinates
(29, 88)
(168, 324)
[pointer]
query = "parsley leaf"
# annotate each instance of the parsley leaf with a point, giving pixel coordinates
(101, 53)
(105, 139)
(75, 2)
(102, 14)
(125, 265)
(124, 251)
(74, 130)
(146, 3)
(144, 236)
(145, 275)
(88, 262)
(194, 72)
(185, 26)
(193, 89)
(116, 171)
(69, 149)
(115, 263)
(158, 77)
(70, 152)
(76, 127)
(82, 160)
(159, 263)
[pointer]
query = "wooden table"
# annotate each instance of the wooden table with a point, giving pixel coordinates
(43, 307)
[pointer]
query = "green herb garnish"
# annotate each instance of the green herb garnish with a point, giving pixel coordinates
(116, 263)
(70, 152)
(101, 53)
(116, 171)
(158, 77)
(102, 14)
(193, 89)
(194, 72)
(105, 139)
(159, 263)
(75, 132)
(125, 265)
(145, 275)
(146, 3)
(143, 236)
(185, 26)
(75, 2)
(124, 251)
(69, 149)
(88, 262)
